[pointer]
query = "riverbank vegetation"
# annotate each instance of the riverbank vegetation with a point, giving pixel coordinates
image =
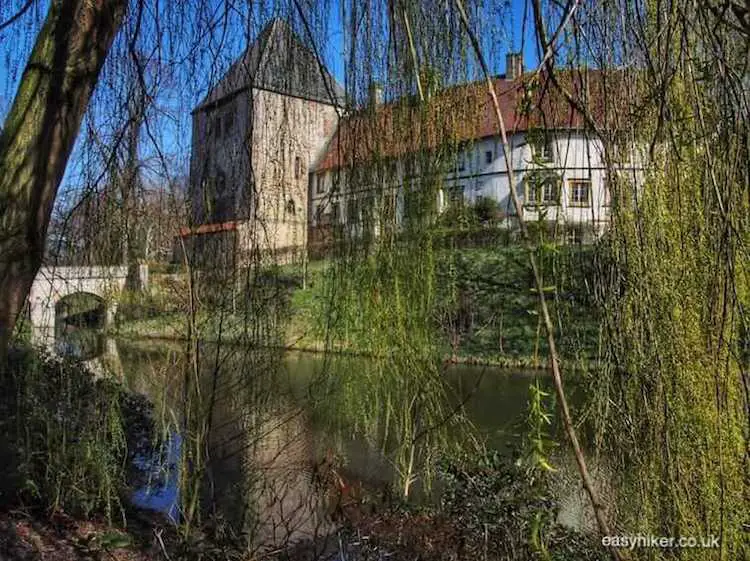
(484, 310)
(650, 317)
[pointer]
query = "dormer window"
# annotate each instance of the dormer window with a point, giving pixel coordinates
(541, 147)
(542, 150)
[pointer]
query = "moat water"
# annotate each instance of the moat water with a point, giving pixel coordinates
(269, 428)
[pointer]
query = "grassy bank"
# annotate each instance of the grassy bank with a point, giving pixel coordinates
(486, 310)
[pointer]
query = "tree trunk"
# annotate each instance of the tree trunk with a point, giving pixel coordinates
(39, 135)
(130, 183)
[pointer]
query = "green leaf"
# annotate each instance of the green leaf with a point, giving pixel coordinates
(115, 540)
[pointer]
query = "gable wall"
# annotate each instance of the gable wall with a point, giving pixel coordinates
(265, 184)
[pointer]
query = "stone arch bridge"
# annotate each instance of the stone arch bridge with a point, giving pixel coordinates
(52, 284)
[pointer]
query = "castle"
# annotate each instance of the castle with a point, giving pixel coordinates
(275, 153)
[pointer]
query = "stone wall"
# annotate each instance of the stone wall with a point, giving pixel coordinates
(252, 156)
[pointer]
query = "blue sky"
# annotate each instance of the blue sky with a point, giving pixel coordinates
(505, 26)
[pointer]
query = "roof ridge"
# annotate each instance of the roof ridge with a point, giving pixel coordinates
(542, 107)
(278, 38)
(277, 26)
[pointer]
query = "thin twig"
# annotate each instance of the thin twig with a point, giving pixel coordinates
(554, 358)
(17, 15)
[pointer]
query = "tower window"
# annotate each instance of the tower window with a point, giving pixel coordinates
(228, 122)
(217, 126)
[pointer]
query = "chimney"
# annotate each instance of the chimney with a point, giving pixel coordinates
(376, 94)
(513, 66)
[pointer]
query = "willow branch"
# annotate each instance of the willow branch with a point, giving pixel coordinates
(413, 52)
(554, 357)
(17, 15)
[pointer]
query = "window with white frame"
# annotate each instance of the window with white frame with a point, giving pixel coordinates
(541, 190)
(579, 192)
(550, 192)
(574, 235)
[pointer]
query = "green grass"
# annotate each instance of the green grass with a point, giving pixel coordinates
(486, 310)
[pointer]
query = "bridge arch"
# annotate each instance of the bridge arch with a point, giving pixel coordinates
(53, 284)
(87, 306)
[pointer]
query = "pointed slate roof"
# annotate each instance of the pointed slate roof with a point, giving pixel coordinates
(279, 61)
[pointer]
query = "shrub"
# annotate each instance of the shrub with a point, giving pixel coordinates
(486, 210)
(63, 435)
(458, 215)
(502, 514)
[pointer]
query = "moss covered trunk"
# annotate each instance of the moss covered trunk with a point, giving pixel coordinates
(39, 134)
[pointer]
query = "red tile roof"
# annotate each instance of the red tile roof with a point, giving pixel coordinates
(208, 228)
(464, 113)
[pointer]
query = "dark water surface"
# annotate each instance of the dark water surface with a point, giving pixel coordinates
(268, 435)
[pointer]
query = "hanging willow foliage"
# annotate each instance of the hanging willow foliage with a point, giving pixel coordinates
(382, 284)
(671, 403)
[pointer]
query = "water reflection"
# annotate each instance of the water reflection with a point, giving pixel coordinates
(79, 343)
(263, 447)
(285, 397)
(160, 491)
(270, 473)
